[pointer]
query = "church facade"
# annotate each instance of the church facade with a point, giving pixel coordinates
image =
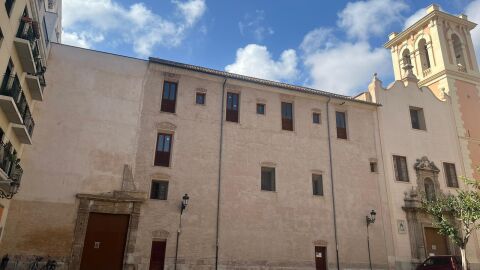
(162, 165)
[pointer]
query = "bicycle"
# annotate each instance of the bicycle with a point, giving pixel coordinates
(34, 264)
(50, 265)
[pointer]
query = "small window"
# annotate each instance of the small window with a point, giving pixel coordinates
(233, 107)
(260, 108)
(268, 179)
(287, 116)
(401, 169)
(164, 146)
(450, 174)
(316, 118)
(373, 166)
(159, 190)
(417, 117)
(9, 6)
(317, 184)
(429, 189)
(200, 98)
(341, 125)
(169, 97)
(1, 37)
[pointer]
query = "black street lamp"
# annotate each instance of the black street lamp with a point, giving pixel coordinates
(183, 206)
(370, 220)
(185, 199)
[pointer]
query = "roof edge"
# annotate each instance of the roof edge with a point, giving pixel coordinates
(254, 80)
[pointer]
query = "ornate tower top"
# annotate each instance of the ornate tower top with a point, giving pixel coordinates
(437, 44)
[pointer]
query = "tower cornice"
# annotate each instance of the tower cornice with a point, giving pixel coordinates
(396, 38)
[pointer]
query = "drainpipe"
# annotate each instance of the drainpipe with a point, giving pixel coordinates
(219, 174)
(332, 182)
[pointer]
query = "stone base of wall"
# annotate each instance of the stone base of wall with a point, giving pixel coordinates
(25, 262)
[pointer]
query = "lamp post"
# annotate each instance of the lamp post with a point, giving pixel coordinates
(370, 220)
(183, 206)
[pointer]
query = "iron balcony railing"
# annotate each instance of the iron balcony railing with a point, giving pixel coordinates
(27, 31)
(11, 87)
(9, 162)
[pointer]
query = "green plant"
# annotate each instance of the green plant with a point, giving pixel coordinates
(456, 215)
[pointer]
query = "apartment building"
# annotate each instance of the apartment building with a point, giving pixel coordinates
(24, 45)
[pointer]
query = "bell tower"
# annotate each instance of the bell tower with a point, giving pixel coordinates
(440, 49)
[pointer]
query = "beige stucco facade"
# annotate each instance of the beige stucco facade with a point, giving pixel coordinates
(25, 76)
(97, 118)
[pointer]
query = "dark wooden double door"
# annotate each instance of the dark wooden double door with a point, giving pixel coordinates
(105, 240)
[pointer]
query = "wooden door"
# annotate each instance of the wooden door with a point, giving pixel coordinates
(104, 243)
(435, 243)
(321, 258)
(157, 257)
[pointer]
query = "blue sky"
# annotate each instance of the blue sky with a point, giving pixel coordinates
(334, 46)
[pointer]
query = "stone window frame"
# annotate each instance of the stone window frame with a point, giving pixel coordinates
(165, 128)
(200, 91)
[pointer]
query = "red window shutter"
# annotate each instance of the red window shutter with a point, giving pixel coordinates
(341, 133)
(287, 124)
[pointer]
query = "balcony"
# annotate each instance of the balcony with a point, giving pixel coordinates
(24, 132)
(10, 92)
(35, 87)
(26, 45)
(10, 171)
(15, 106)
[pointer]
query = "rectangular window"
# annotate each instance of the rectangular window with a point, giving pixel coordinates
(317, 184)
(316, 118)
(164, 147)
(373, 166)
(268, 179)
(200, 98)
(450, 174)
(169, 97)
(1, 37)
(341, 125)
(9, 6)
(287, 116)
(260, 108)
(401, 168)
(159, 190)
(417, 117)
(233, 101)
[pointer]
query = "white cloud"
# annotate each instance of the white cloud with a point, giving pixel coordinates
(362, 19)
(255, 60)
(414, 17)
(254, 24)
(192, 10)
(82, 39)
(136, 25)
(346, 67)
(315, 39)
(473, 13)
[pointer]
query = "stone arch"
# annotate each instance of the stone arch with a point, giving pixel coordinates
(458, 50)
(423, 45)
